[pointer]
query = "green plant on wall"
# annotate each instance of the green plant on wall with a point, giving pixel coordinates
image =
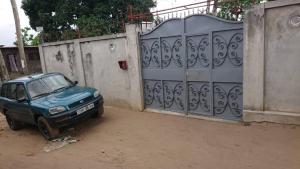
(234, 9)
(28, 39)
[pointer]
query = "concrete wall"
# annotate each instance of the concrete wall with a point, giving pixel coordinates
(272, 62)
(94, 62)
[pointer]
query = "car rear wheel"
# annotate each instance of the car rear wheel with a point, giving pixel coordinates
(46, 130)
(13, 124)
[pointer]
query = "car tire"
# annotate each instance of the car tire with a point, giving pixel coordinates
(13, 124)
(46, 130)
(98, 114)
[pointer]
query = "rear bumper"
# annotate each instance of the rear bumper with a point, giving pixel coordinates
(70, 118)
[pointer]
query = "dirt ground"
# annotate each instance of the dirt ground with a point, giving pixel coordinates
(125, 139)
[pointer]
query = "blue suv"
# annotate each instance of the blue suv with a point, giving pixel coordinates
(49, 101)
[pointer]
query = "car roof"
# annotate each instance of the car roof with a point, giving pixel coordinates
(29, 78)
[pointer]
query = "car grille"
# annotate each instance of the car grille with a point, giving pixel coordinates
(80, 102)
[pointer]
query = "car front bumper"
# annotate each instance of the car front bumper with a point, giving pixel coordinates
(70, 117)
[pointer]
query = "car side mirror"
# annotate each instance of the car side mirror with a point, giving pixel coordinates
(75, 82)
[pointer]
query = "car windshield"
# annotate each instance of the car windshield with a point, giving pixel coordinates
(47, 85)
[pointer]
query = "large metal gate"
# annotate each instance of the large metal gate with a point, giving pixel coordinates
(194, 66)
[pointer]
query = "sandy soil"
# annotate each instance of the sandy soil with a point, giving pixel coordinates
(125, 139)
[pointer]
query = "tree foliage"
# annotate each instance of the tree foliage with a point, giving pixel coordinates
(28, 39)
(61, 19)
(234, 9)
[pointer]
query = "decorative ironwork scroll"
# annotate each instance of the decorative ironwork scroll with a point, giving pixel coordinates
(220, 50)
(153, 92)
(233, 50)
(150, 56)
(198, 52)
(203, 52)
(173, 94)
(171, 53)
(230, 99)
(235, 94)
(199, 96)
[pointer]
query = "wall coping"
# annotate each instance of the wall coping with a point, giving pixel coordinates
(104, 37)
(280, 3)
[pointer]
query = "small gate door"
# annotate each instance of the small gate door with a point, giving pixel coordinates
(194, 65)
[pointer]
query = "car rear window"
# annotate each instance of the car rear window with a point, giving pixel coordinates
(4, 90)
(21, 94)
(11, 91)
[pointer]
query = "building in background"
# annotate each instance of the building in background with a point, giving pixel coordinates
(13, 60)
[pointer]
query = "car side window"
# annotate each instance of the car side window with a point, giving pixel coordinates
(21, 93)
(4, 90)
(11, 91)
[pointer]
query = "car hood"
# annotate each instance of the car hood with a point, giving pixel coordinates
(64, 97)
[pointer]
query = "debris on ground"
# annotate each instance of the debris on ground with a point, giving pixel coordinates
(28, 154)
(59, 143)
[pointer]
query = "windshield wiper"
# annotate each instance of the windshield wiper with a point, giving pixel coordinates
(42, 94)
(65, 87)
(56, 90)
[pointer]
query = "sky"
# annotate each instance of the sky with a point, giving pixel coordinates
(7, 24)
(165, 4)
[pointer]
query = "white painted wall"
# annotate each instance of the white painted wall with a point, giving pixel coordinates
(94, 62)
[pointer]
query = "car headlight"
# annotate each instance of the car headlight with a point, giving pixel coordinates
(96, 93)
(58, 109)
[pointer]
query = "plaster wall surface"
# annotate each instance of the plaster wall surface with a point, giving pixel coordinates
(94, 62)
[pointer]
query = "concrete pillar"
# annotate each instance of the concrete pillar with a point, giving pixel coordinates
(42, 58)
(78, 63)
(254, 29)
(134, 66)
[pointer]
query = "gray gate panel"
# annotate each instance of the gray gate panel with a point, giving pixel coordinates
(173, 74)
(227, 75)
(199, 98)
(169, 28)
(153, 94)
(228, 100)
(227, 49)
(174, 96)
(150, 50)
(198, 75)
(198, 51)
(168, 95)
(171, 53)
(206, 23)
(194, 65)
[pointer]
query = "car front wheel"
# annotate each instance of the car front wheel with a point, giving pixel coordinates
(98, 113)
(46, 130)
